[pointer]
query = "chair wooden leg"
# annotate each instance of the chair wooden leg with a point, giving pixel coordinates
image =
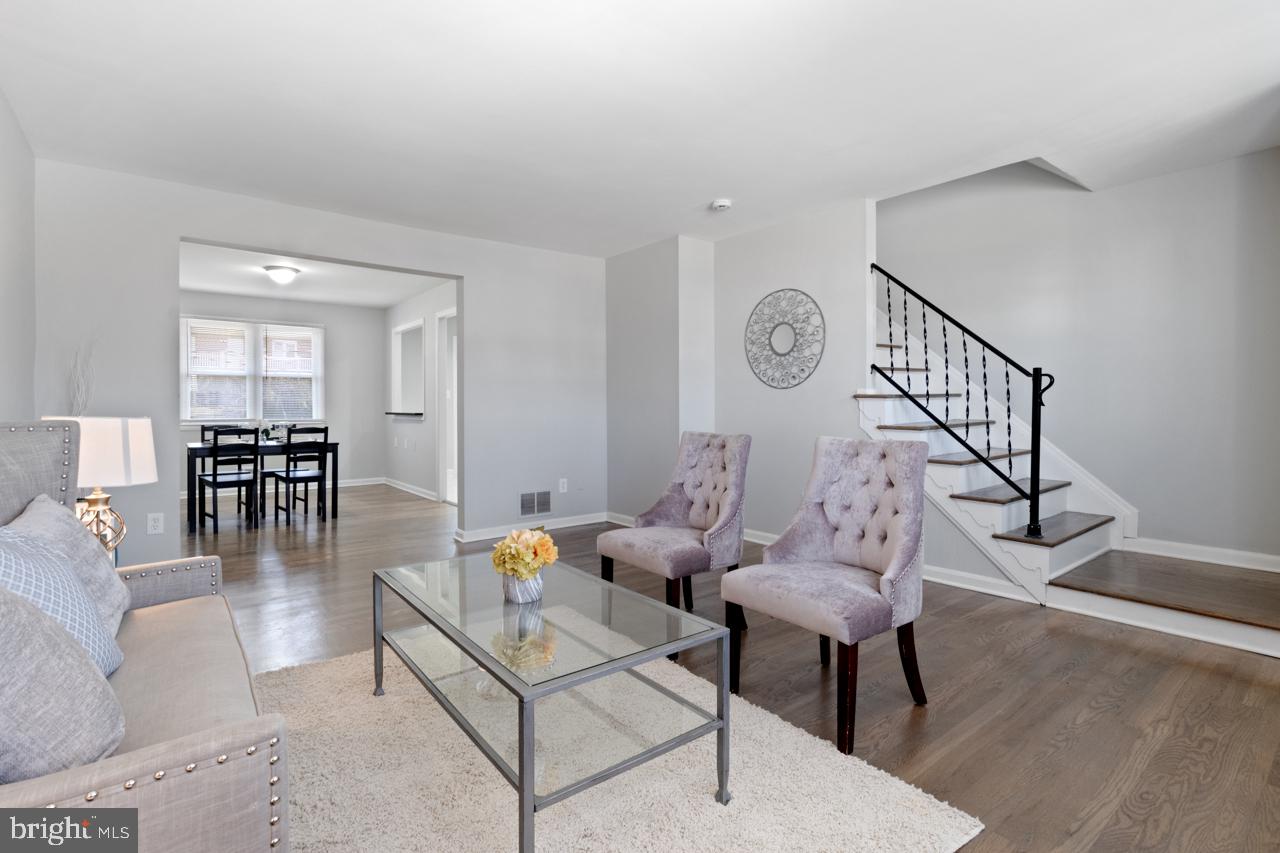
(907, 650)
(846, 695)
(215, 511)
(199, 503)
(277, 500)
(733, 618)
(606, 568)
(686, 586)
(673, 600)
(824, 649)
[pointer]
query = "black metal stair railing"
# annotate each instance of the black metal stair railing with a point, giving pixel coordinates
(1037, 377)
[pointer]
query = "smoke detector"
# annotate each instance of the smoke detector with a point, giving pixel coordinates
(721, 204)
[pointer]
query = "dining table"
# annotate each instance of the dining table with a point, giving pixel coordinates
(197, 450)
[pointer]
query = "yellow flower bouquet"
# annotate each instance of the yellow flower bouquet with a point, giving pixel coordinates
(519, 558)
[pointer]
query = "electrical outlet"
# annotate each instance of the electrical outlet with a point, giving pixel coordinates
(155, 523)
(564, 485)
(395, 441)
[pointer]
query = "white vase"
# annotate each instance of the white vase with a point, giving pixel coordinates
(522, 592)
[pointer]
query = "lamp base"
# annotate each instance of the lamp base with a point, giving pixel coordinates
(101, 520)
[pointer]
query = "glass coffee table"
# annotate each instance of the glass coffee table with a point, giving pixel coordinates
(549, 691)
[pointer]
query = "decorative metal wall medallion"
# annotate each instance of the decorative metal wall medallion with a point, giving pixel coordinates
(785, 337)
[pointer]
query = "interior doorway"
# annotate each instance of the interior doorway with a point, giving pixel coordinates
(447, 404)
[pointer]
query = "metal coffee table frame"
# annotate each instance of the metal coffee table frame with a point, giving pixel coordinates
(522, 778)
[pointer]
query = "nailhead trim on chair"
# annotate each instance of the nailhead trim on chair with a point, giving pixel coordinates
(250, 750)
(160, 573)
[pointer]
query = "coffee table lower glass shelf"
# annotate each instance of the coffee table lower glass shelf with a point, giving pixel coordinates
(549, 691)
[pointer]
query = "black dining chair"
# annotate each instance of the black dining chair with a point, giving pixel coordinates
(304, 447)
(232, 447)
(206, 435)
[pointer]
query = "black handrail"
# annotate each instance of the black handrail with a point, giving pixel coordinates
(1038, 388)
(970, 332)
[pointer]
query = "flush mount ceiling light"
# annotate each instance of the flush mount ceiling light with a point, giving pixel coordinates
(281, 275)
(721, 204)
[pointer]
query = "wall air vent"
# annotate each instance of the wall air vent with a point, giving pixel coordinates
(535, 503)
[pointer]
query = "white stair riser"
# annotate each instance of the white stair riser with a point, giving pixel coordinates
(969, 478)
(1054, 561)
(1003, 517)
(940, 441)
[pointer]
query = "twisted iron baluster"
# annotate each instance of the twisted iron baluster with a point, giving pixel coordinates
(1008, 417)
(906, 338)
(964, 342)
(888, 300)
(986, 400)
(946, 375)
(924, 324)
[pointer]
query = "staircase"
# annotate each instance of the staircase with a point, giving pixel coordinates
(1034, 511)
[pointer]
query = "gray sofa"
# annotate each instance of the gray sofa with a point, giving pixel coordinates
(205, 768)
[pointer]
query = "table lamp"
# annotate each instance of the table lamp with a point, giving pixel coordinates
(113, 452)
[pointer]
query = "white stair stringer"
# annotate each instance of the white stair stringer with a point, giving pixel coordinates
(1024, 570)
(1031, 567)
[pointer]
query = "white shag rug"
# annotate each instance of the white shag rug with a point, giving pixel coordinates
(395, 773)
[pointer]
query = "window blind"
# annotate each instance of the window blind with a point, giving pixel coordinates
(234, 371)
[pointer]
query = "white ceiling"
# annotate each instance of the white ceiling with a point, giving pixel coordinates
(215, 269)
(597, 127)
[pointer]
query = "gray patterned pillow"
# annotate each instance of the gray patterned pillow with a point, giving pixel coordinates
(62, 534)
(56, 709)
(28, 569)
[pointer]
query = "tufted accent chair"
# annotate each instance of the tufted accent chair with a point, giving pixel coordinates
(848, 565)
(696, 525)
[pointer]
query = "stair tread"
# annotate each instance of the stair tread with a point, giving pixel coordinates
(1003, 493)
(964, 457)
(1057, 529)
(889, 346)
(894, 395)
(1248, 596)
(891, 370)
(925, 426)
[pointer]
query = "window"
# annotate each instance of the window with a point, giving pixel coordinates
(236, 371)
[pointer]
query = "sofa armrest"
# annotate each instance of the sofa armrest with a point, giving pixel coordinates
(223, 789)
(171, 580)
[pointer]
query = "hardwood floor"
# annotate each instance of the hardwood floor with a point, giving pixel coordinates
(1060, 732)
(1250, 596)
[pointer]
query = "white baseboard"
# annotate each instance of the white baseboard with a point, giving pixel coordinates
(410, 488)
(1205, 554)
(978, 583)
(1222, 632)
(759, 537)
(619, 518)
(483, 533)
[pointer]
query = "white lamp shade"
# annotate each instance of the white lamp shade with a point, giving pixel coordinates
(115, 451)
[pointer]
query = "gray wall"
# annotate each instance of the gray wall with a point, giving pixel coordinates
(355, 370)
(825, 254)
(1155, 304)
(411, 442)
(17, 269)
(643, 365)
(107, 267)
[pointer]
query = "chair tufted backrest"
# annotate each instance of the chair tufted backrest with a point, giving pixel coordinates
(871, 494)
(710, 466)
